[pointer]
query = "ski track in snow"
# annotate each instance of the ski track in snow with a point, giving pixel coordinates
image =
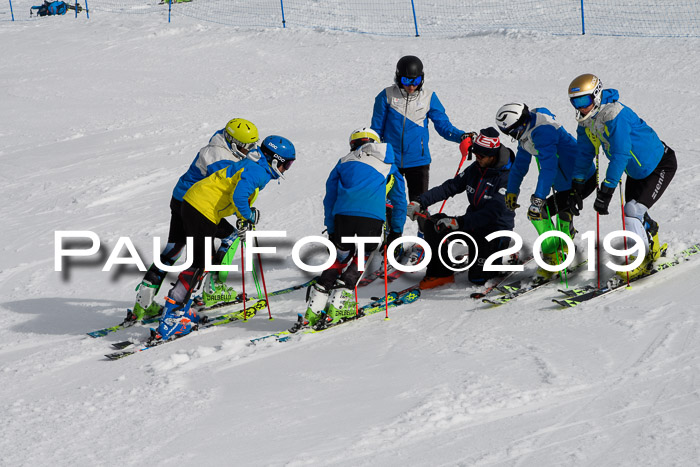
(446, 381)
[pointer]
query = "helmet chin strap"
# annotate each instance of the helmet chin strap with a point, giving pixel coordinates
(275, 165)
(582, 118)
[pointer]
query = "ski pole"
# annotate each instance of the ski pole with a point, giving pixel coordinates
(622, 208)
(461, 162)
(597, 217)
(245, 310)
(563, 277)
(357, 307)
(386, 288)
(262, 276)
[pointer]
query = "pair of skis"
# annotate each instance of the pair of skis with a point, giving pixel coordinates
(238, 315)
(239, 299)
(394, 299)
(512, 290)
(577, 296)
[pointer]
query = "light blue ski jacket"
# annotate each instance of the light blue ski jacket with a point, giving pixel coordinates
(211, 158)
(357, 186)
(629, 143)
(402, 121)
(553, 148)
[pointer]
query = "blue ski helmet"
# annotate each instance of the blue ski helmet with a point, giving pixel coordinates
(280, 154)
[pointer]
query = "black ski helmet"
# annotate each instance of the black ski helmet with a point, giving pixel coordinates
(409, 66)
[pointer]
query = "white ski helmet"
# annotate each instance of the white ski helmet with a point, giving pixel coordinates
(363, 136)
(585, 90)
(512, 119)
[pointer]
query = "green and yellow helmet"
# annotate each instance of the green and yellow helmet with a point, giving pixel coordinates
(585, 90)
(242, 135)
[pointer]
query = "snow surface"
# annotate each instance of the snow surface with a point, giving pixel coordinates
(98, 120)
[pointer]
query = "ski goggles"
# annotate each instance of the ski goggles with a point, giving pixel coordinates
(581, 102)
(411, 81)
(517, 131)
(245, 148)
(282, 163)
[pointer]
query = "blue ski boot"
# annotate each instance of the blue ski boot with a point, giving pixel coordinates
(178, 320)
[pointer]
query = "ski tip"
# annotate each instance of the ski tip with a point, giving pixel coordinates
(565, 303)
(95, 334)
(122, 345)
(118, 355)
(477, 295)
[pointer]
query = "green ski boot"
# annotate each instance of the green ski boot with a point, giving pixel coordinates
(315, 304)
(341, 306)
(218, 292)
(145, 307)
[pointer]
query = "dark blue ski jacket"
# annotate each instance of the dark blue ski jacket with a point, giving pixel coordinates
(486, 192)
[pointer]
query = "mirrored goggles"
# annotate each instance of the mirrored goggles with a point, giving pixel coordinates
(581, 102)
(244, 148)
(285, 165)
(411, 81)
(282, 164)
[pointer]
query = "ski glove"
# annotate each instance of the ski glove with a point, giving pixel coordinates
(575, 197)
(392, 236)
(466, 141)
(446, 224)
(512, 201)
(335, 239)
(602, 199)
(413, 208)
(254, 216)
(243, 225)
(536, 211)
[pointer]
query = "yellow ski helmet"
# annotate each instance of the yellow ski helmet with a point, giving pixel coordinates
(242, 135)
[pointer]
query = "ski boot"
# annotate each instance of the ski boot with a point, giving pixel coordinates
(218, 292)
(552, 259)
(341, 307)
(145, 307)
(315, 304)
(178, 320)
(656, 251)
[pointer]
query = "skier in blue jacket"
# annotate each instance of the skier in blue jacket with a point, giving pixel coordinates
(555, 151)
(357, 190)
(400, 118)
(226, 192)
(632, 147)
(228, 146)
(485, 183)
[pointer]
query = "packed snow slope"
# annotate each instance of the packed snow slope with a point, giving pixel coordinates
(98, 120)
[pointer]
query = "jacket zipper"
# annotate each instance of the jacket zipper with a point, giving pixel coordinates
(403, 127)
(477, 189)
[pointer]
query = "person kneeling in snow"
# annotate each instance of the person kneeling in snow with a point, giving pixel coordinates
(355, 205)
(485, 182)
